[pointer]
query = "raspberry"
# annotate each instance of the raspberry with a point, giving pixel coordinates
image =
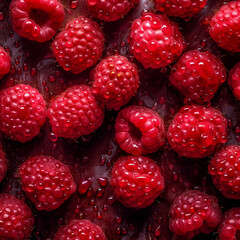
(37, 20)
(47, 182)
(5, 62)
(197, 75)
(16, 218)
(115, 81)
(136, 181)
(229, 228)
(139, 130)
(197, 131)
(3, 164)
(225, 26)
(109, 10)
(180, 8)
(155, 41)
(80, 229)
(234, 80)
(75, 112)
(194, 212)
(22, 112)
(79, 45)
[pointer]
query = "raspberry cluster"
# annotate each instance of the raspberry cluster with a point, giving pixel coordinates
(234, 80)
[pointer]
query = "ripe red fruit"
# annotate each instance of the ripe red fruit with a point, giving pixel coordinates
(225, 26)
(80, 229)
(197, 131)
(139, 130)
(155, 41)
(3, 164)
(197, 75)
(22, 112)
(115, 81)
(234, 80)
(37, 20)
(75, 112)
(79, 45)
(225, 171)
(16, 218)
(47, 182)
(108, 10)
(5, 62)
(194, 212)
(136, 181)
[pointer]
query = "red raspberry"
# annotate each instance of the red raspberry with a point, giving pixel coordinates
(139, 130)
(75, 112)
(22, 112)
(194, 212)
(47, 182)
(225, 26)
(196, 131)
(136, 181)
(229, 228)
(234, 80)
(115, 81)
(5, 62)
(16, 218)
(197, 75)
(180, 8)
(225, 170)
(37, 20)
(155, 41)
(3, 164)
(109, 10)
(80, 229)
(79, 45)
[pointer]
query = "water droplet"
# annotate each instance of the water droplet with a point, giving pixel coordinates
(102, 160)
(74, 4)
(84, 185)
(33, 71)
(99, 216)
(25, 68)
(99, 192)
(118, 220)
(157, 232)
(51, 78)
(111, 200)
(103, 181)
(1, 16)
(52, 137)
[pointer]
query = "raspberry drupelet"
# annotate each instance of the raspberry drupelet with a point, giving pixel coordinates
(198, 75)
(194, 212)
(37, 20)
(139, 130)
(79, 45)
(234, 80)
(22, 112)
(47, 182)
(197, 131)
(155, 41)
(3, 164)
(115, 81)
(5, 62)
(136, 181)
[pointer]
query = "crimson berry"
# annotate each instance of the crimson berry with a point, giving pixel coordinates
(234, 80)
(5, 62)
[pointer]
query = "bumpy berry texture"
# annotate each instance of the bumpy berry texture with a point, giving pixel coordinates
(16, 218)
(37, 20)
(108, 10)
(47, 182)
(3, 164)
(197, 75)
(230, 225)
(5, 62)
(194, 212)
(225, 171)
(225, 26)
(180, 8)
(75, 112)
(155, 41)
(197, 131)
(115, 81)
(139, 130)
(79, 45)
(22, 112)
(234, 80)
(136, 181)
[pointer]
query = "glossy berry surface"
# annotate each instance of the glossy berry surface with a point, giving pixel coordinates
(139, 130)
(225, 26)
(37, 20)
(234, 80)
(5, 62)
(79, 45)
(16, 218)
(198, 75)
(3, 164)
(196, 131)
(155, 41)
(194, 212)
(75, 112)
(115, 81)
(22, 112)
(136, 181)
(46, 181)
